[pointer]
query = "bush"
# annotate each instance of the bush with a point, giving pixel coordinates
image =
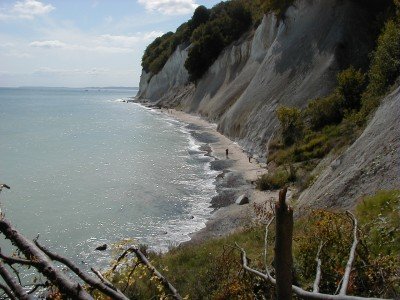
(380, 216)
(276, 180)
(316, 147)
(325, 111)
(375, 272)
(385, 65)
(350, 87)
(292, 126)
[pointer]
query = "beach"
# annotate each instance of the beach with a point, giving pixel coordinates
(237, 177)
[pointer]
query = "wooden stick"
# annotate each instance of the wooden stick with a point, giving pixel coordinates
(14, 286)
(346, 276)
(266, 243)
(318, 274)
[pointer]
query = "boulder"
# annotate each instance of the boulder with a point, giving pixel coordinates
(241, 200)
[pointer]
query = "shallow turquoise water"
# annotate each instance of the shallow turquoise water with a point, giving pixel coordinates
(86, 169)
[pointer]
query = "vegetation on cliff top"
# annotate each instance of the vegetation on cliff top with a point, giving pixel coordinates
(209, 31)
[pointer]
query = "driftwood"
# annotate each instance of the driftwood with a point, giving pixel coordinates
(41, 258)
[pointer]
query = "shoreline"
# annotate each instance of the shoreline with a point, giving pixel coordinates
(236, 178)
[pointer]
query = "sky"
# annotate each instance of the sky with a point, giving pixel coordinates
(83, 43)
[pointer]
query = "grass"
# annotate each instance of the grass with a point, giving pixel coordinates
(212, 269)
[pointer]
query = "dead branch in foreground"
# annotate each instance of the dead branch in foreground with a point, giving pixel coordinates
(283, 215)
(41, 258)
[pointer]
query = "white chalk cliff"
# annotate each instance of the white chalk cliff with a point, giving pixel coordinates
(285, 62)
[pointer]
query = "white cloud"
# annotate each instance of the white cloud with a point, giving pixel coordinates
(27, 9)
(126, 41)
(104, 43)
(48, 44)
(170, 7)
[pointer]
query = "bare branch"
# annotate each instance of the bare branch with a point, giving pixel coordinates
(14, 286)
(15, 260)
(318, 275)
(346, 276)
(266, 243)
(103, 279)
(44, 264)
(109, 290)
(297, 290)
(143, 259)
(8, 292)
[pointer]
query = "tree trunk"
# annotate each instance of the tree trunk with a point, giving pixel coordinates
(283, 248)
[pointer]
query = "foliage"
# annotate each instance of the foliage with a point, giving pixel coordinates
(160, 50)
(380, 216)
(374, 273)
(384, 69)
(277, 179)
(350, 87)
(291, 122)
(227, 22)
(279, 7)
(324, 111)
(210, 31)
(385, 65)
(207, 270)
(212, 269)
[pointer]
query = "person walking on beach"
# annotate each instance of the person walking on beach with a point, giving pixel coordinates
(227, 152)
(250, 156)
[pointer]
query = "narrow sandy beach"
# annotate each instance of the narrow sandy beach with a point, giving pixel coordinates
(227, 218)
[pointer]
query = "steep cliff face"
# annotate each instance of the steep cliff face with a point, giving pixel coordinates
(290, 62)
(173, 75)
(372, 163)
(283, 62)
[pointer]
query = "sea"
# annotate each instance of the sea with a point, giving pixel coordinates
(86, 169)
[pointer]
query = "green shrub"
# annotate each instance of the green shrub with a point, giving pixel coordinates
(276, 180)
(385, 65)
(325, 111)
(292, 126)
(316, 147)
(350, 87)
(375, 273)
(380, 216)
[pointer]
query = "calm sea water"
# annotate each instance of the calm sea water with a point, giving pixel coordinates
(87, 169)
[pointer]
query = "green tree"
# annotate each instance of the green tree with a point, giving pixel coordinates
(385, 66)
(324, 111)
(292, 126)
(350, 87)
